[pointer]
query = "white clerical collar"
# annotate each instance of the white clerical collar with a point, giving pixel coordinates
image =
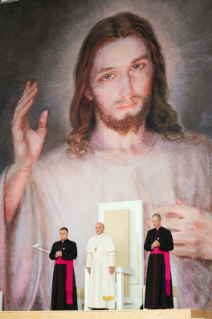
(158, 228)
(100, 235)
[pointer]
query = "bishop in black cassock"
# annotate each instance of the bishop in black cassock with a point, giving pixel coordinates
(159, 242)
(67, 251)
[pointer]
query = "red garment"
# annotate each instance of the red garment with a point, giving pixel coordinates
(166, 255)
(69, 278)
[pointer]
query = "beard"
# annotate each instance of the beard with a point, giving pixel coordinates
(130, 123)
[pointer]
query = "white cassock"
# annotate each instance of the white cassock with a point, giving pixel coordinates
(101, 254)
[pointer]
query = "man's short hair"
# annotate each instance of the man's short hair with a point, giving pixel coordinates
(64, 228)
(159, 216)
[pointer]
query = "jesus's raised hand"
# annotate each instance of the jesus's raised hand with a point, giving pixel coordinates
(27, 143)
(27, 148)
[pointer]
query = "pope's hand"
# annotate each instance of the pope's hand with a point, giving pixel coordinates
(27, 143)
(191, 229)
(89, 270)
(111, 270)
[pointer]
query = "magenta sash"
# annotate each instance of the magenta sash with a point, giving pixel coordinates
(166, 255)
(69, 278)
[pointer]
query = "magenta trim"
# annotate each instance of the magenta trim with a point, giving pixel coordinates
(166, 255)
(69, 278)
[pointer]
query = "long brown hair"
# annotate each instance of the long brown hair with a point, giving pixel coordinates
(161, 118)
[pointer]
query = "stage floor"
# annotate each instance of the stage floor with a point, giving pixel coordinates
(125, 314)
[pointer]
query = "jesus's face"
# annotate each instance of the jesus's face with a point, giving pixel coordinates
(121, 79)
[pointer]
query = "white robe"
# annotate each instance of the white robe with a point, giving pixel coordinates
(65, 192)
(101, 254)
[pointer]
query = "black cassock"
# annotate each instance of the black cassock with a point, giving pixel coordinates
(69, 252)
(155, 283)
